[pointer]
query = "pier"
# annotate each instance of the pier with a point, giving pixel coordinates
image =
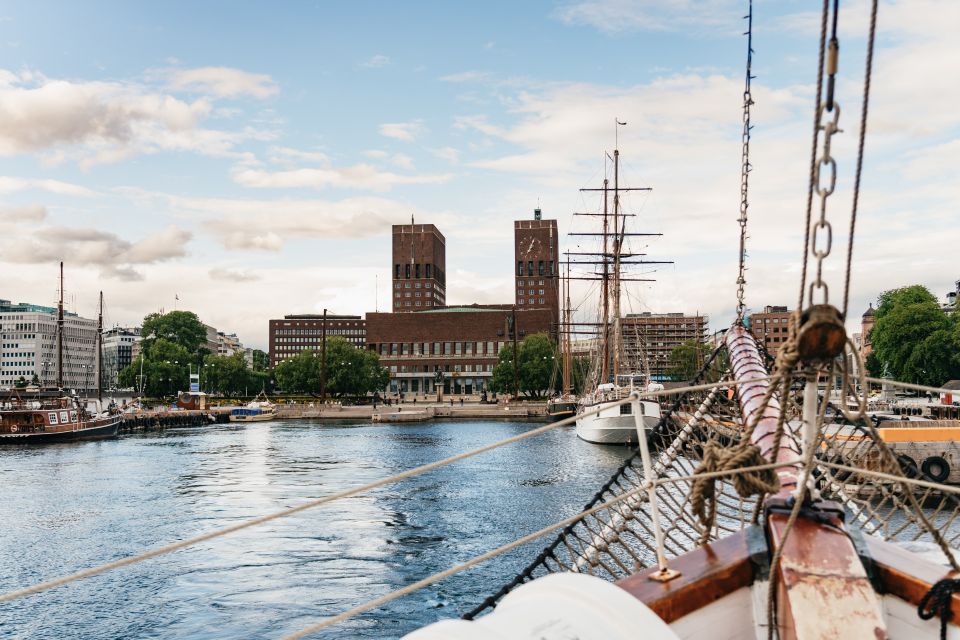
(152, 420)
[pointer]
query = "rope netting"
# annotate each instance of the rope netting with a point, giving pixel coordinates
(618, 541)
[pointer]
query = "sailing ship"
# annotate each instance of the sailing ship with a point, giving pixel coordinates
(55, 415)
(604, 418)
(564, 405)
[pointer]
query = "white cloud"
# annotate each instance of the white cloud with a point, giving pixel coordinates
(286, 155)
(402, 160)
(406, 131)
(115, 256)
(222, 82)
(376, 62)
(102, 122)
(449, 154)
(619, 16)
(252, 239)
(10, 184)
(359, 176)
(227, 274)
(467, 76)
(23, 213)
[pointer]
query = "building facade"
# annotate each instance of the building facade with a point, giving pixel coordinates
(771, 327)
(28, 335)
(536, 255)
(118, 352)
(419, 267)
(454, 348)
(299, 332)
(654, 336)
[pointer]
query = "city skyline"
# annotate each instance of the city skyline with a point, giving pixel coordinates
(257, 173)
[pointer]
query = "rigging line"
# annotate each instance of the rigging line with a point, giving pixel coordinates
(210, 535)
(510, 546)
(813, 154)
(909, 385)
(863, 132)
(947, 488)
(745, 168)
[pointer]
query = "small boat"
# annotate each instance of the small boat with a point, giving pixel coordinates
(561, 407)
(256, 411)
(615, 424)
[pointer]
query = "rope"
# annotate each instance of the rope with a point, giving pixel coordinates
(463, 566)
(909, 385)
(813, 155)
(936, 602)
(745, 168)
(735, 460)
(169, 548)
(863, 132)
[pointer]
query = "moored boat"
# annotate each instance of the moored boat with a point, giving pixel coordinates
(615, 423)
(256, 411)
(53, 417)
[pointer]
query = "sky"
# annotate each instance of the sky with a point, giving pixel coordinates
(249, 158)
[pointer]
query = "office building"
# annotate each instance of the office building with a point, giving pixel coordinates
(295, 333)
(419, 268)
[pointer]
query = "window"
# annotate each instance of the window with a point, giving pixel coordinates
(551, 267)
(436, 348)
(417, 286)
(520, 268)
(541, 301)
(406, 295)
(540, 268)
(530, 268)
(417, 295)
(396, 271)
(459, 348)
(530, 301)
(447, 348)
(540, 282)
(417, 269)
(541, 292)
(427, 274)
(418, 302)
(530, 292)
(406, 270)
(406, 285)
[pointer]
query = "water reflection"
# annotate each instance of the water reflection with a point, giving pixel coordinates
(76, 505)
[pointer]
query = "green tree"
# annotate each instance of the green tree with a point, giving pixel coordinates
(299, 374)
(228, 375)
(536, 358)
(350, 371)
(165, 369)
(179, 327)
(261, 361)
(20, 383)
(914, 338)
(686, 359)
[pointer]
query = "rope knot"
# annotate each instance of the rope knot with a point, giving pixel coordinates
(937, 601)
(703, 499)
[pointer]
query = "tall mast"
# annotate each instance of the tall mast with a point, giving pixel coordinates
(566, 332)
(60, 333)
(616, 266)
(605, 292)
(100, 350)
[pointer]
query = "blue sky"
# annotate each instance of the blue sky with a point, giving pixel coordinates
(251, 158)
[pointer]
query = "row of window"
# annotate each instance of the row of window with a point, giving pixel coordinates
(426, 303)
(318, 330)
(457, 368)
(543, 269)
(530, 301)
(417, 285)
(418, 271)
(319, 338)
(489, 348)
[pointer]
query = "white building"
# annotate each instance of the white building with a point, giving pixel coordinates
(119, 344)
(28, 347)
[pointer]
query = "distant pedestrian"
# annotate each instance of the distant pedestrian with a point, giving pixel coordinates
(451, 402)
(461, 402)
(414, 400)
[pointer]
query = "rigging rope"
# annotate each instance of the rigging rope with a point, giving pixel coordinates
(745, 168)
(863, 132)
(813, 154)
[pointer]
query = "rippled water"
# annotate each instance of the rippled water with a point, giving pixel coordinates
(72, 506)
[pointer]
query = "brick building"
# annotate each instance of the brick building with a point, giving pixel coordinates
(461, 342)
(295, 333)
(536, 252)
(656, 334)
(419, 267)
(771, 327)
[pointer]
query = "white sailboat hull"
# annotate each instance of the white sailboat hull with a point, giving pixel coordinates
(610, 426)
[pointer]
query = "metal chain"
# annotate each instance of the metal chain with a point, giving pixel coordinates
(745, 169)
(821, 234)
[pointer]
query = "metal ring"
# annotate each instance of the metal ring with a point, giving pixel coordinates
(819, 284)
(833, 176)
(821, 224)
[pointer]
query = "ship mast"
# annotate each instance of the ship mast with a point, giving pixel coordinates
(100, 351)
(566, 333)
(616, 266)
(60, 333)
(605, 292)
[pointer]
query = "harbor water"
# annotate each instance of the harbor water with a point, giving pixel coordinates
(72, 506)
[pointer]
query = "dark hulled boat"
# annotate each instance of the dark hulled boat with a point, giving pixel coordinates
(44, 417)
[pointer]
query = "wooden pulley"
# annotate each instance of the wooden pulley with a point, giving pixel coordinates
(822, 335)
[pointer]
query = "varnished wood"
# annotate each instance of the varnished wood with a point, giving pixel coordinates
(707, 573)
(906, 576)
